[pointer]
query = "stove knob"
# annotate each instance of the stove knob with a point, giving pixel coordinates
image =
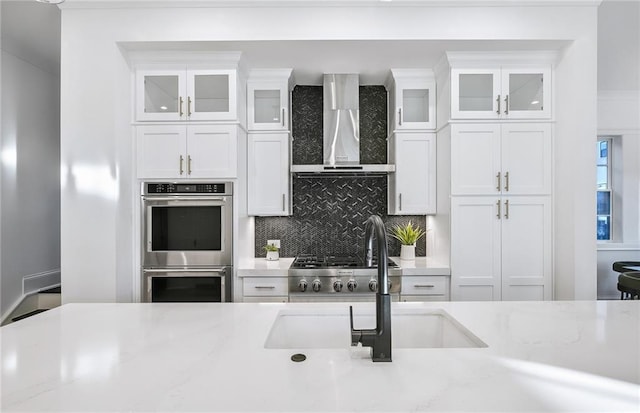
(373, 285)
(352, 284)
(302, 285)
(316, 285)
(337, 286)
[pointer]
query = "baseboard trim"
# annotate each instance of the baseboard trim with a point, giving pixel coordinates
(40, 281)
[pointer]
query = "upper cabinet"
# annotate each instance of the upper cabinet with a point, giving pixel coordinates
(187, 94)
(268, 99)
(503, 87)
(412, 99)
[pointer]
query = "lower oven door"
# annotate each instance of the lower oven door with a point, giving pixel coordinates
(186, 285)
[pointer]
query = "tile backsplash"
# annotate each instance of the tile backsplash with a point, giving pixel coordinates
(329, 213)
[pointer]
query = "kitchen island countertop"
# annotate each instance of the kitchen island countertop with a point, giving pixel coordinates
(541, 356)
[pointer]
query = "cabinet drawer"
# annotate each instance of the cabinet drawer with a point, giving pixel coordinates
(265, 286)
(425, 285)
(267, 299)
(423, 298)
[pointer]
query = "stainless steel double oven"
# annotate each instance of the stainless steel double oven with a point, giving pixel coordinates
(187, 241)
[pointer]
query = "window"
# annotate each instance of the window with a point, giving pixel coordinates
(603, 192)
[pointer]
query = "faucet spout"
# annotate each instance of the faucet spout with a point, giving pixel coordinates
(379, 339)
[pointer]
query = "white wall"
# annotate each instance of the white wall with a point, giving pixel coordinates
(94, 125)
(30, 191)
(619, 115)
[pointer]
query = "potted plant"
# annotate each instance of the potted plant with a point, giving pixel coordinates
(407, 234)
(272, 252)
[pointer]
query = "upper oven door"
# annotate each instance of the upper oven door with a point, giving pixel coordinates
(187, 231)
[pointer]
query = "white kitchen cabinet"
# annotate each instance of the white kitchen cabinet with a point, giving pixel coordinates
(412, 99)
(412, 187)
(507, 158)
(268, 174)
(501, 248)
(501, 92)
(187, 151)
(265, 289)
(425, 288)
(183, 93)
(268, 99)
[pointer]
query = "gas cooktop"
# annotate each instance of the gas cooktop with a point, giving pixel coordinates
(310, 261)
(327, 275)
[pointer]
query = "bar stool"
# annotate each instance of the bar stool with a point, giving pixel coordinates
(629, 285)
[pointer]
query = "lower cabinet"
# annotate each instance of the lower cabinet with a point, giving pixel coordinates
(265, 289)
(501, 248)
(425, 288)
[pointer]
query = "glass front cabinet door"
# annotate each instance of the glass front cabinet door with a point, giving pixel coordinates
(501, 93)
(170, 95)
(413, 95)
(268, 99)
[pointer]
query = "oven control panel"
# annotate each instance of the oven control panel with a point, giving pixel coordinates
(183, 188)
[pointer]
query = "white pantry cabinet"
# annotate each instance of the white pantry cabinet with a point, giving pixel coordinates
(501, 92)
(268, 105)
(412, 99)
(187, 151)
(184, 93)
(268, 174)
(412, 187)
(501, 248)
(507, 158)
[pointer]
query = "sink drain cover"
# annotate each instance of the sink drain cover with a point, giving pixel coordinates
(298, 357)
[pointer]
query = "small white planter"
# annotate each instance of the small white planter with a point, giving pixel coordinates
(408, 252)
(273, 255)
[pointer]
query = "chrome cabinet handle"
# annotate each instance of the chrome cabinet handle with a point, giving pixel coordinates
(498, 100)
(499, 209)
(506, 105)
(506, 185)
(282, 116)
(423, 286)
(400, 116)
(188, 105)
(506, 207)
(180, 106)
(188, 164)
(400, 202)
(185, 270)
(499, 176)
(283, 203)
(181, 162)
(264, 287)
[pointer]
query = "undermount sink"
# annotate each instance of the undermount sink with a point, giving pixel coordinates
(297, 329)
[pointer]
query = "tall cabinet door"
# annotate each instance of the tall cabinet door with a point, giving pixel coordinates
(412, 186)
(526, 159)
(161, 151)
(268, 174)
(475, 248)
(526, 248)
(475, 159)
(212, 151)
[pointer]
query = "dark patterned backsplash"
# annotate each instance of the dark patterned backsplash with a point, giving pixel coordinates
(329, 213)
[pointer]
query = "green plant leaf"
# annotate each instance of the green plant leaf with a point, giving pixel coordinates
(407, 234)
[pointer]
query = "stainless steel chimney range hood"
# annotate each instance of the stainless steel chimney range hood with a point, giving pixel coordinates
(341, 132)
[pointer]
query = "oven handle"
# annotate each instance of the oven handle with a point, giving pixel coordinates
(173, 270)
(183, 198)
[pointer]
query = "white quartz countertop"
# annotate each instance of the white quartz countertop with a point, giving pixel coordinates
(252, 267)
(541, 356)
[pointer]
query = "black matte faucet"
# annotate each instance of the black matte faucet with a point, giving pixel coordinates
(379, 339)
